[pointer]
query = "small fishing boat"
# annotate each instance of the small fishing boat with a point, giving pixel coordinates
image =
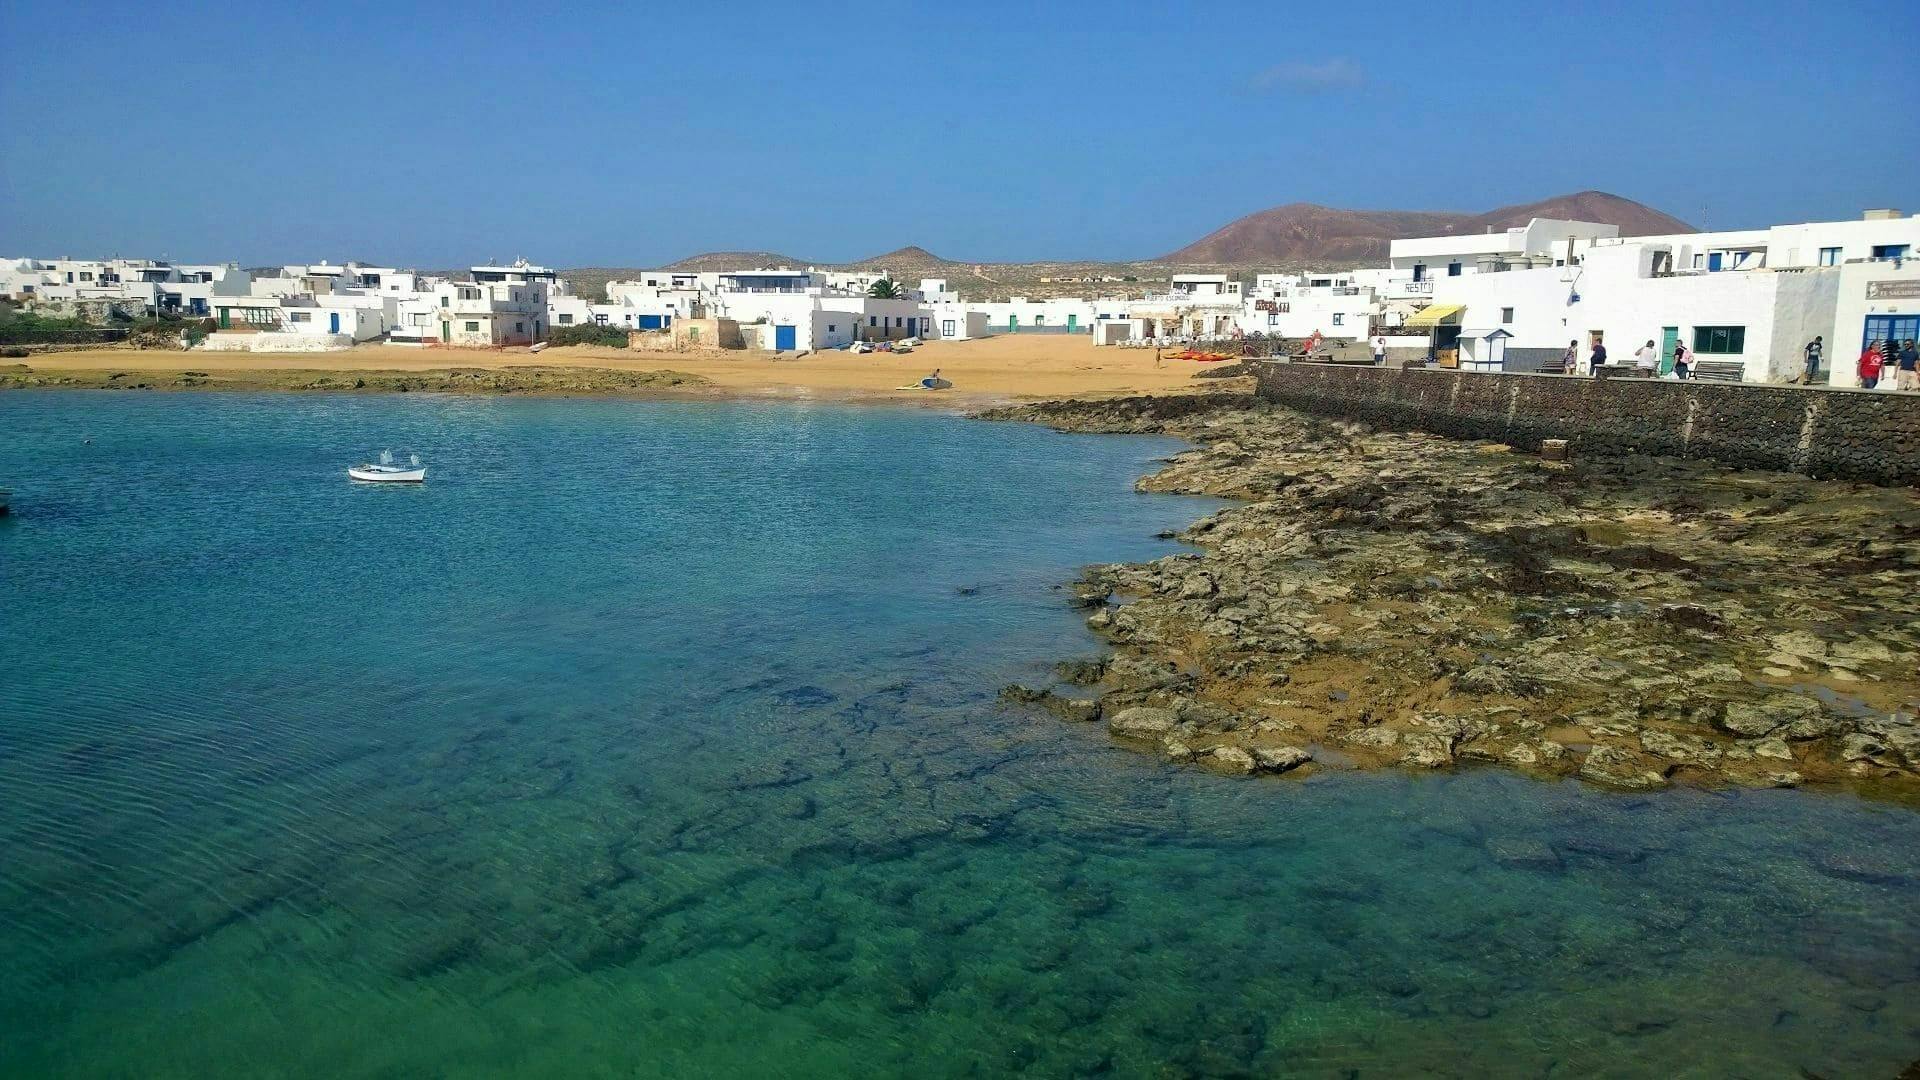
(385, 471)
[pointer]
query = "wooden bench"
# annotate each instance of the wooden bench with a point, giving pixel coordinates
(1719, 370)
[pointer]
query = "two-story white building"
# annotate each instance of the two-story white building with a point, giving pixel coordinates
(501, 305)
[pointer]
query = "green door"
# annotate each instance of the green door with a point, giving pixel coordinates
(226, 318)
(446, 331)
(1669, 340)
(1073, 323)
(1013, 323)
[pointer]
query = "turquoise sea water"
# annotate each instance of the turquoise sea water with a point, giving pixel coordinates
(660, 740)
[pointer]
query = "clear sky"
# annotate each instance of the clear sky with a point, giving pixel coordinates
(436, 135)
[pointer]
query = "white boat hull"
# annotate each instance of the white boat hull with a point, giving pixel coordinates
(387, 475)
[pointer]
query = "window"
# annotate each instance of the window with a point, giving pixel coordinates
(1506, 316)
(1453, 269)
(1272, 319)
(1829, 256)
(520, 328)
(300, 316)
(1039, 320)
(85, 276)
(445, 301)
(1419, 271)
(872, 321)
(469, 294)
(566, 320)
(1880, 251)
(1339, 318)
(1719, 339)
(946, 327)
(473, 327)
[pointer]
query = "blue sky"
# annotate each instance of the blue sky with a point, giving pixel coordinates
(632, 135)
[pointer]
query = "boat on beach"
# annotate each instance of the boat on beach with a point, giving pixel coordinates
(385, 471)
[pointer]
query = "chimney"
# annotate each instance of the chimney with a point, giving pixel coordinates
(1886, 214)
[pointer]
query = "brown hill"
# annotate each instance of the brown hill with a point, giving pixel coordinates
(1634, 219)
(1302, 233)
(735, 260)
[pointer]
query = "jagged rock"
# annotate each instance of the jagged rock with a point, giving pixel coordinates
(1176, 749)
(1427, 751)
(1227, 759)
(1080, 672)
(1077, 710)
(1196, 587)
(1775, 748)
(1372, 738)
(1686, 749)
(1280, 759)
(1860, 746)
(1616, 767)
(1135, 673)
(1754, 719)
(1142, 722)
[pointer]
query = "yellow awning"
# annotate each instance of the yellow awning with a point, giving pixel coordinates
(1436, 314)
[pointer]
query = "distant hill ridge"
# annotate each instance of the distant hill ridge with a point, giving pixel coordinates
(1297, 234)
(1306, 233)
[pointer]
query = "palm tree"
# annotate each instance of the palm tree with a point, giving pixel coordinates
(884, 289)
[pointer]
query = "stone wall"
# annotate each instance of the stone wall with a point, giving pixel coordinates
(1867, 435)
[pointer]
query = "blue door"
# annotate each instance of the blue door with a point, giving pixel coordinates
(783, 339)
(649, 322)
(333, 322)
(1713, 262)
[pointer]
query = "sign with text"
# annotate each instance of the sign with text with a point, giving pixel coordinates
(1893, 290)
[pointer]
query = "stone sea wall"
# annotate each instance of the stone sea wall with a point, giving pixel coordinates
(1866, 435)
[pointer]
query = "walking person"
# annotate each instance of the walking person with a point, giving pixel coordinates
(1813, 351)
(1598, 359)
(1379, 350)
(1646, 359)
(1682, 362)
(1906, 373)
(1871, 364)
(1570, 360)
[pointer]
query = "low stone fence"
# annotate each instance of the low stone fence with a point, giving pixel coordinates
(1867, 435)
(276, 342)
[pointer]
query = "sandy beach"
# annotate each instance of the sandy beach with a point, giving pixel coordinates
(989, 370)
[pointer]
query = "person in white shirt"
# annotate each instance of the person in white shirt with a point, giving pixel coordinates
(1379, 350)
(1646, 358)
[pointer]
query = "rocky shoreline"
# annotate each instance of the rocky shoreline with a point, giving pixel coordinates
(1391, 599)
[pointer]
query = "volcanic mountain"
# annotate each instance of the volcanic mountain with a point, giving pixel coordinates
(1305, 233)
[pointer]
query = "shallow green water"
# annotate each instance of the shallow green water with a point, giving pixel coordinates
(659, 739)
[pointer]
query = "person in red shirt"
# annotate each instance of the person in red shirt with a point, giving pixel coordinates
(1870, 364)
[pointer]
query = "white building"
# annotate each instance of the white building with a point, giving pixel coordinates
(1744, 302)
(1416, 265)
(502, 305)
(1878, 299)
(1619, 295)
(1301, 305)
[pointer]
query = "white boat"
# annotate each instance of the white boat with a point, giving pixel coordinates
(385, 471)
